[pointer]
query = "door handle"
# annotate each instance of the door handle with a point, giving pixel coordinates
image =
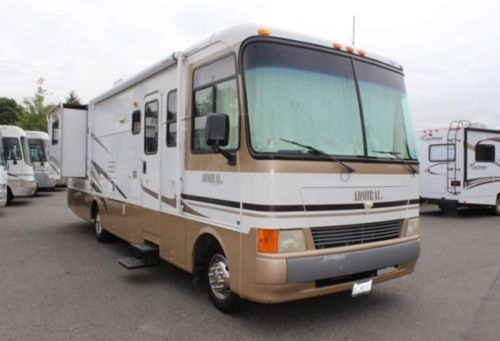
(144, 167)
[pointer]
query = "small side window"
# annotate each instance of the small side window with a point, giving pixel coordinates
(485, 153)
(55, 132)
(437, 152)
(172, 118)
(151, 127)
(136, 122)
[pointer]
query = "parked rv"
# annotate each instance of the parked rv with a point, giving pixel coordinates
(461, 166)
(272, 166)
(3, 176)
(21, 178)
(38, 143)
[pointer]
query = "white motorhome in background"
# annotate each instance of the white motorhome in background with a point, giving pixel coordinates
(21, 178)
(460, 165)
(38, 143)
(3, 176)
(290, 191)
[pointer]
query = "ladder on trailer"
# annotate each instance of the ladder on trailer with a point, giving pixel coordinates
(452, 172)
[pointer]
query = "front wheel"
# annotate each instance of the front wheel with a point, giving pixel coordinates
(217, 278)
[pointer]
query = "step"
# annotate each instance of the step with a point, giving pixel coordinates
(144, 248)
(134, 263)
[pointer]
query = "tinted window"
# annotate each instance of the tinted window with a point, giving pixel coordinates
(151, 127)
(172, 119)
(136, 122)
(485, 153)
(55, 132)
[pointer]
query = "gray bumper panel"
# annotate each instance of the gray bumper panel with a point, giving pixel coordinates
(343, 264)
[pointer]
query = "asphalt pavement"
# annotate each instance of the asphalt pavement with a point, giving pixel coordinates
(58, 283)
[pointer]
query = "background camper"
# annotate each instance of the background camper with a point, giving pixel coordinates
(3, 175)
(248, 161)
(21, 179)
(38, 143)
(461, 166)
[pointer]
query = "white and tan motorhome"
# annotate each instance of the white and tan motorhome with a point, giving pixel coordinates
(38, 143)
(3, 176)
(460, 165)
(21, 179)
(273, 166)
(54, 121)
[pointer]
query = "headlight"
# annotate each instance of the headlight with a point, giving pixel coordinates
(274, 240)
(413, 227)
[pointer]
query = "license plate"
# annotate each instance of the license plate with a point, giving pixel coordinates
(362, 287)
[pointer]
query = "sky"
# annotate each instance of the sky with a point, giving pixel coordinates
(450, 50)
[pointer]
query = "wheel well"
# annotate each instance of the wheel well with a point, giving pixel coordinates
(204, 244)
(93, 209)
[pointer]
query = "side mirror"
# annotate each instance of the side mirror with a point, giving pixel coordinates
(217, 135)
(217, 130)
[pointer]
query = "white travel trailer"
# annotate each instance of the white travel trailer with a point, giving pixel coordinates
(272, 166)
(3, 176)
(54, 123)
(460, 166)
(38, 143)
(21, 178)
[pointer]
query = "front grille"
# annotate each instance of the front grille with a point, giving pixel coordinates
(335, 236)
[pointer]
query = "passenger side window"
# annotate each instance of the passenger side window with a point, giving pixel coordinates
(172, 118)
(136, 122)
(215, 91)
(55, 132)
(151, 127)
(485, 153)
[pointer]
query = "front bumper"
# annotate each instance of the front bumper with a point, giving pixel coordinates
(279, 279)
(23, 188)
(344, 264)
(43, 180)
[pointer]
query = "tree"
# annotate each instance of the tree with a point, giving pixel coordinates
(34, 113)
(73, 98)
(9, 110)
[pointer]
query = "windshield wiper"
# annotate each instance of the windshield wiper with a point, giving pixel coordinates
(316, 151)
(396, 155)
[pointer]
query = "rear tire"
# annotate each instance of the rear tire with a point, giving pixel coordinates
(496, 208)
(101, 234)
(446, 208)
(217, 278)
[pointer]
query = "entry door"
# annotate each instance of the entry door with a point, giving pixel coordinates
(150, 172)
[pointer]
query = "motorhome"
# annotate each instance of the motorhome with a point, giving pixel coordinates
(3, 176)
(21, 179)
(460, 165)
(38, 143)
(271, 166)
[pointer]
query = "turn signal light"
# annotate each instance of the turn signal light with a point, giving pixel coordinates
(268, 241)
(263, 31)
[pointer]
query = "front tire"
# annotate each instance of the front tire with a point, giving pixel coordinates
(217, 282)
(10, 196)
(101, 234)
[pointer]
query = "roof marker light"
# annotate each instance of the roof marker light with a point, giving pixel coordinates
(263, 31)
(362, 53)
(350, 49)
(337, 46)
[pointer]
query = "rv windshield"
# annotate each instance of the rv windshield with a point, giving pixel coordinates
(38, 151)
(311, 97)
(26, 151)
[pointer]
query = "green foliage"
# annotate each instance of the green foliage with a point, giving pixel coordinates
(34, 113)
(9, 110)
(73, 98)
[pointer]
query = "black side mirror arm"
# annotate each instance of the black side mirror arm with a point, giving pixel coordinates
(231, 158)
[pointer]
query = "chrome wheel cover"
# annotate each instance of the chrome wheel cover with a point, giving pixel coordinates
(97, 224)
(218, 277)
